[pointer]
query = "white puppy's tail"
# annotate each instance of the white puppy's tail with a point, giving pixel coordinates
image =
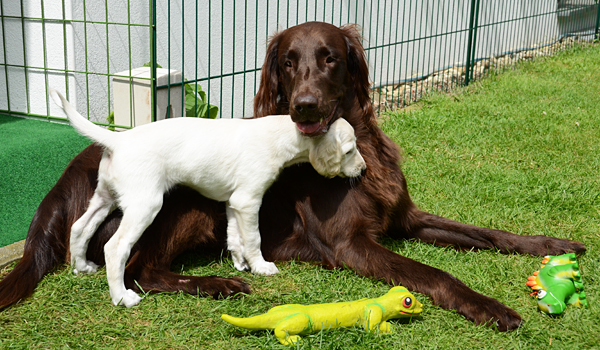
(82, 125)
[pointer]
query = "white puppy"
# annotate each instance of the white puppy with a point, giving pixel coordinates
(229, 160)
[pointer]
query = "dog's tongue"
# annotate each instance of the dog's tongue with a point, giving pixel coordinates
(308, 127)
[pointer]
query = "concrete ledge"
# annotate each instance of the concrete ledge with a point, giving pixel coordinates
(11, 252)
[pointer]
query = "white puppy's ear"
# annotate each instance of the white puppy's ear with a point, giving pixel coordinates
(325, 154)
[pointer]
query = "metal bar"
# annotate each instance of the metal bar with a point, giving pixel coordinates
(597, 30)
(153, 57)
(4, 54)
(474, 44)
(224, 75)
(50, 20)
(474, 3)
(233, 62)
(25, 61)
(245, 38)
(64, 26)
(396, 47)
(407, 43)
(390, 61)
(255, 44)
(195, 73)
(129, 65)
(45, 60)
(209, 49)
(383, 40)
(107, 57)
(221, 76)
(87, 79)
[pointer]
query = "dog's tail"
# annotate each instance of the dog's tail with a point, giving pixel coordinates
(82, 125)
(44, 250)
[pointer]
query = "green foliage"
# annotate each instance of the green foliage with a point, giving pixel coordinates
(111, 121)
(196, 105)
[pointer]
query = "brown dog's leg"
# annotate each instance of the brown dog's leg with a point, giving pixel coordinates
(159, 280)
(444, 289)
(445, 232)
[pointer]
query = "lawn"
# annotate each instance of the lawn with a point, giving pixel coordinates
(519, 151)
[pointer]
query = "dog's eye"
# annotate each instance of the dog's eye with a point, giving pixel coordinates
(288, 63)
(349, 152)
(329, 59)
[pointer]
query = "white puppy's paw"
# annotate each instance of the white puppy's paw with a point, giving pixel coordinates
(265, 268)
(240, 263)
(128, 299)
(84, 267)
(243, 266)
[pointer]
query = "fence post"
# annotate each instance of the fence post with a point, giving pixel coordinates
(472, 36)
(597, 32)
(153, 64)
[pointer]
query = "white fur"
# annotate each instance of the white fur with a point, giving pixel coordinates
(229, 160)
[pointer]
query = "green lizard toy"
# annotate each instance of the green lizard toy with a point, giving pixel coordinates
(290, 320)
(557, 283)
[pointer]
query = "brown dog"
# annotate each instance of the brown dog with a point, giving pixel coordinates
(317, 73)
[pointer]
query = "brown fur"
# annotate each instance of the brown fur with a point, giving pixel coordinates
(304, 216)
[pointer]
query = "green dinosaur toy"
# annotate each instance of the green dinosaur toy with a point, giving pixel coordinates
(558, 283)
(290, 320)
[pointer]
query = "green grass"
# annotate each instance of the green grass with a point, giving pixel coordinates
(33, 154)
(519, 152)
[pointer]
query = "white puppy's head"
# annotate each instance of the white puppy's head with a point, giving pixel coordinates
(335, 153)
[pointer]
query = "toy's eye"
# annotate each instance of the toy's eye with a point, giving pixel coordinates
(541, 293)
(407, 302)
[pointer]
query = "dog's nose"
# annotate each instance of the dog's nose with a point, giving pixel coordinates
(363, 171)
(306, 103)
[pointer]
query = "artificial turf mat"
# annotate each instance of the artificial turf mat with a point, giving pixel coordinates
(33, 155)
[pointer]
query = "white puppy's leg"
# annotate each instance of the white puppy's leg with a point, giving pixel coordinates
(136, 218)
(245, 209)
(234, 241)
(83, 229)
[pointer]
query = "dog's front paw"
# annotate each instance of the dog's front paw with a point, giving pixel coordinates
(84, 267)
(241, 266)
(265, 268)
(544, 245)
(556, 246)
(239, 262)
(127, 299)
(485, 310)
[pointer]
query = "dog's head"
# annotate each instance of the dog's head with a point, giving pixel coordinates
(335, 153)
(317, 73)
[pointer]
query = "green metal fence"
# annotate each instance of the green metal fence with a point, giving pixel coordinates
(80, 47)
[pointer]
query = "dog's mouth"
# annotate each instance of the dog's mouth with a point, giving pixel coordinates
(314, 128)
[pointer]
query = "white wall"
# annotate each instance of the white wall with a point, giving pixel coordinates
(238, 33)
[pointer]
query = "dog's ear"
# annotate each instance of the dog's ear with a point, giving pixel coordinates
(265, 101)
(358, 68)
(325, 154)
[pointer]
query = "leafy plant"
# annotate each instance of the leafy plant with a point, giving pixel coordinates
(111, 120)
(196, 105)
